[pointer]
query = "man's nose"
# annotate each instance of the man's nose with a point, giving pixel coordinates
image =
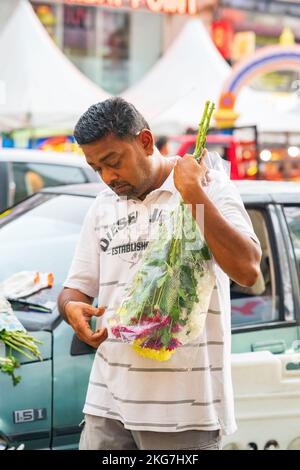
(109, 176)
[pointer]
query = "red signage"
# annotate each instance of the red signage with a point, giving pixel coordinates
(222, 35)
(181, 7)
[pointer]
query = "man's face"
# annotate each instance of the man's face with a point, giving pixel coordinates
(123, 164)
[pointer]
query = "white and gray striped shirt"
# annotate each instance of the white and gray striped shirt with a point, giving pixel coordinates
(191, 391)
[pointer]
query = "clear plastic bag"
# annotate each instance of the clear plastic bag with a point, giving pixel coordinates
(167, 301)
(8, 320)
(214, 161)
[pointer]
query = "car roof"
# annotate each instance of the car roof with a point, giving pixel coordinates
(42, 156)
(87, 189)
(251, 191)
(269, 191)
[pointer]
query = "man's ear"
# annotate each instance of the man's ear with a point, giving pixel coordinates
(147, 141)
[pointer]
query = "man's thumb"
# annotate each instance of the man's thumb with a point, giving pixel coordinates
(98, 311)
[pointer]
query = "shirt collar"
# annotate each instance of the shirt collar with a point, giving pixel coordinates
(168, 185)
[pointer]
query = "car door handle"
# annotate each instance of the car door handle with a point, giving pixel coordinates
(275, 347)
(292, 366)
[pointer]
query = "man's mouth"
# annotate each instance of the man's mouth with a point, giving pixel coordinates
(120, 188)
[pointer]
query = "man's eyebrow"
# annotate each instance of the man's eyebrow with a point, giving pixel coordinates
(110, 154)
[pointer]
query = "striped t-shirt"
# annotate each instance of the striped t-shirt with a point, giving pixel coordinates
(191, 391)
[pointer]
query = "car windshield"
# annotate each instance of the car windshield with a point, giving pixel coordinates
(40, 235)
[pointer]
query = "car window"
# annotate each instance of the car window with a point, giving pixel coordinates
(44, 237)
(259, 303)
(292, 215)
(31, 177)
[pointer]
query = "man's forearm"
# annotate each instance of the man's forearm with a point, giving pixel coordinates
(235, 252)
(71, 295)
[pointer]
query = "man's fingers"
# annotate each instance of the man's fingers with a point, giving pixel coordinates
(91, 311)
(97, 338)
(189, 156)
(100, 310)
(100, 333)
(83, 328)
(91, 338)
(206, 179)
(203, 154)
(80, 315)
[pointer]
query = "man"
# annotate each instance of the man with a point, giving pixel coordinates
(133, 402)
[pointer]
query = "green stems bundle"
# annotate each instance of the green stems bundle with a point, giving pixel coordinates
(20, 341)
(23, 343)
(8, 365)
(203, 128)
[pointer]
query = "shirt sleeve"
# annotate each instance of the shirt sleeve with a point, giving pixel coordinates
(84, 271)
(225, 195)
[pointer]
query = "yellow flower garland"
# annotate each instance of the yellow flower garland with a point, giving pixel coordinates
(159, 355)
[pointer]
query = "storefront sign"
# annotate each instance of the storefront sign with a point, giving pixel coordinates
(222, 35)
(182, 7)
(169, 6)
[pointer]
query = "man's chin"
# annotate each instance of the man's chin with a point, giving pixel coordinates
(124, 190)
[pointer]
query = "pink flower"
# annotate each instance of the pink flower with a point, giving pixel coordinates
(116, 331)
(173, 344)
(140, 330)
(176, 328)
(153, 343)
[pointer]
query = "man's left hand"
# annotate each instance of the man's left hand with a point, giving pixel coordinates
(190, 176)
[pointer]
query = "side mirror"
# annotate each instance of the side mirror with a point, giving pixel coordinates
(79, 348)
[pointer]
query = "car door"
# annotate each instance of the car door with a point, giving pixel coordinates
(72, 361)
(266, 377)
(26, 414)
(40, 235)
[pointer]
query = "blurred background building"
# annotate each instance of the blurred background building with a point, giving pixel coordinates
(114, 46)
(115, 42)
(134, 47)
(109, 44)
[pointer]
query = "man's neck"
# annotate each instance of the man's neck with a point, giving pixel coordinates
(164, 170)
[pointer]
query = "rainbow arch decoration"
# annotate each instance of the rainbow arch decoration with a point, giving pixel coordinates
(266, 59)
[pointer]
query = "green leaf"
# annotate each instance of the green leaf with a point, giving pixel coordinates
(175, 313)
(165, 336)
(161, 281)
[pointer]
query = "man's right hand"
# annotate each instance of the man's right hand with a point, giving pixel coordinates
(79, 315)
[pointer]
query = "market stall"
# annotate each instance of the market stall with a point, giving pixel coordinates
(40, 86)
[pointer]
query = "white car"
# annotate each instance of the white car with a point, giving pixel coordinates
(24, 172)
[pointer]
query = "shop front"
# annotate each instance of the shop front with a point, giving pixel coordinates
(115, 42)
